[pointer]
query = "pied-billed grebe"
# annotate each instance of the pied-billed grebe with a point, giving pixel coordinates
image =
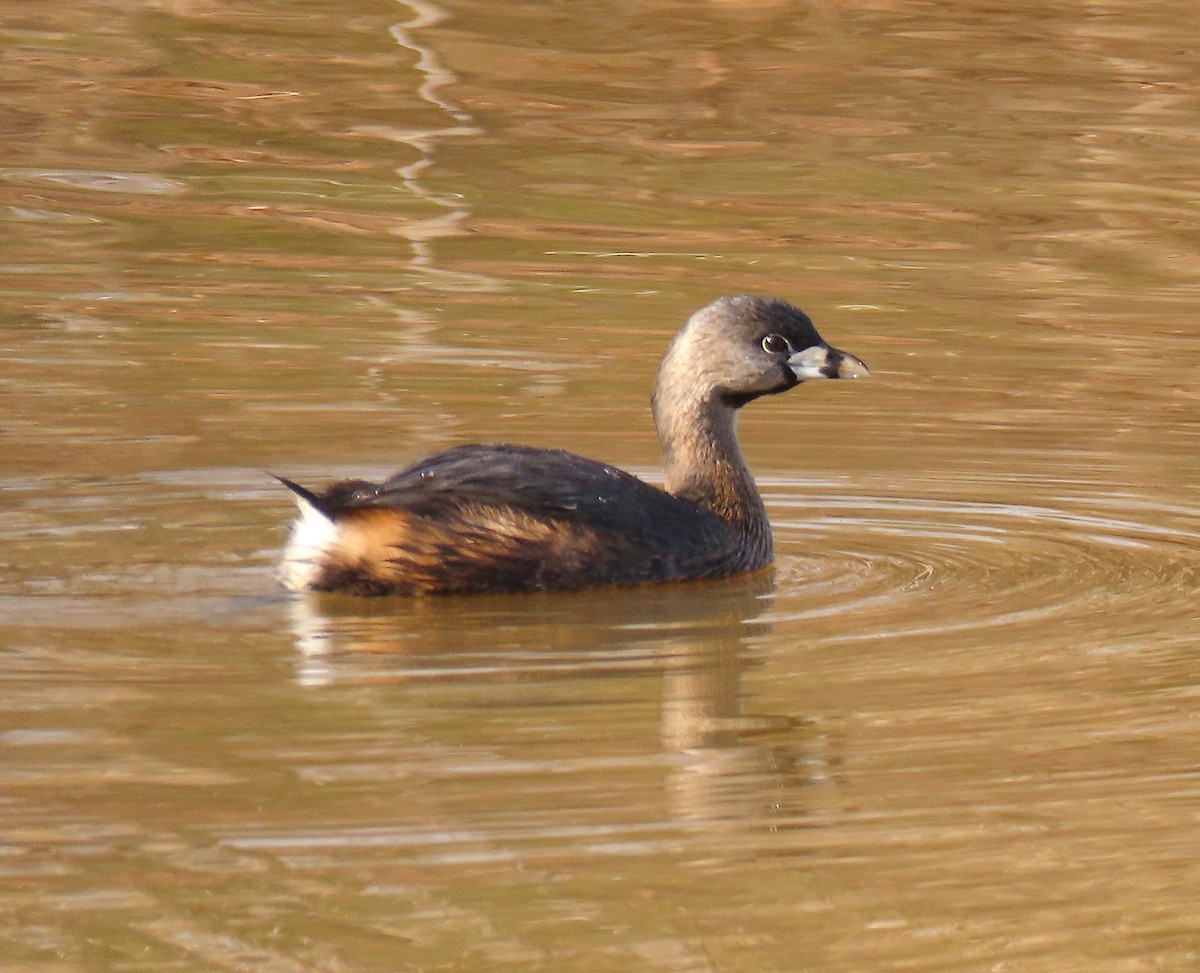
(512, 518)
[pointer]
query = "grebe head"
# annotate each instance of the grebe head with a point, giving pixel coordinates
(739, 348)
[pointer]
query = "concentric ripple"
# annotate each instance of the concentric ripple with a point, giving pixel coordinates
(911, 559)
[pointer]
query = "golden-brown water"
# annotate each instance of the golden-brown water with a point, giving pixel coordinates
(957, 729)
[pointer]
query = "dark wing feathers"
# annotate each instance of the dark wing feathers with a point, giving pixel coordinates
(626, 529)
(539, 482)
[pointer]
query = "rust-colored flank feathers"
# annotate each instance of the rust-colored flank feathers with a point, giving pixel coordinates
(513, 518)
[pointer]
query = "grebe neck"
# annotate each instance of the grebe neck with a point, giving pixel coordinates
(701, 457)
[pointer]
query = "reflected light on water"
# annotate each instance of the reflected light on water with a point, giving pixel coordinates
(955, 729)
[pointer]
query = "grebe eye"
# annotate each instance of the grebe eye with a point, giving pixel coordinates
(775, 344)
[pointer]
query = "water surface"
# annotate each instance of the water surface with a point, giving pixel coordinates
(954, 729)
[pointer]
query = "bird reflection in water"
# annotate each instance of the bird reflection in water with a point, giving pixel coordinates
(725, 768)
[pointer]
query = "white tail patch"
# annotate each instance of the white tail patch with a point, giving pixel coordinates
(309, 547)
